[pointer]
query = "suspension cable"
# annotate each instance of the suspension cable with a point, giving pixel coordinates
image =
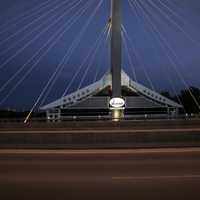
(91, 60)
(134, 8)
(62, 64)
(105, 43)
(138, 57)
(52, 45)
(74, 45)
(35, 38)
(59, 33)
(173, 64)
(129, 57)
(30, 12)
(36, 28)
(83, 63)
(175, 23)
(32, 23)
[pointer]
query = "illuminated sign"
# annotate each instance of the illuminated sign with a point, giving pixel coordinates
(117, 103)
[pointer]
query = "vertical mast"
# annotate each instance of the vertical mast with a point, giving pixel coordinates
(116, 48)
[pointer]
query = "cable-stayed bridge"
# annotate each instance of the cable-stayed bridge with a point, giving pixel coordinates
(41, 32)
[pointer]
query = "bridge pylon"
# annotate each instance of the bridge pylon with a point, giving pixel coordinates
(117, 103)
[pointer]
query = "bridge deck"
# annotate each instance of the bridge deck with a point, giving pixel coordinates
(101, 134)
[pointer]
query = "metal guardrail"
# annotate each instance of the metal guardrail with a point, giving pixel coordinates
(105, 139)
(101, 118)
(101, 134)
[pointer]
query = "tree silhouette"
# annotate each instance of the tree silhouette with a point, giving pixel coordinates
(188, 101)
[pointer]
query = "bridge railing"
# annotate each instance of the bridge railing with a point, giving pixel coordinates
(103, 118)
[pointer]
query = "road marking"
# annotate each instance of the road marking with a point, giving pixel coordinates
(101, 151)
(106, 131)
(156, 177)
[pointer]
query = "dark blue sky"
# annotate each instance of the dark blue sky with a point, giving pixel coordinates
(23, 25)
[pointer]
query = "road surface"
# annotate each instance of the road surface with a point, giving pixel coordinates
(100, 174)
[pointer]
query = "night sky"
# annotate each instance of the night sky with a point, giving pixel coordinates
(164, 45)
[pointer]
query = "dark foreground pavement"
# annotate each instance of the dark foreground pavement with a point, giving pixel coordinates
(100, 174)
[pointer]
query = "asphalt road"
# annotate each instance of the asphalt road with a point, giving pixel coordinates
(102, 139)
(100, 174)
